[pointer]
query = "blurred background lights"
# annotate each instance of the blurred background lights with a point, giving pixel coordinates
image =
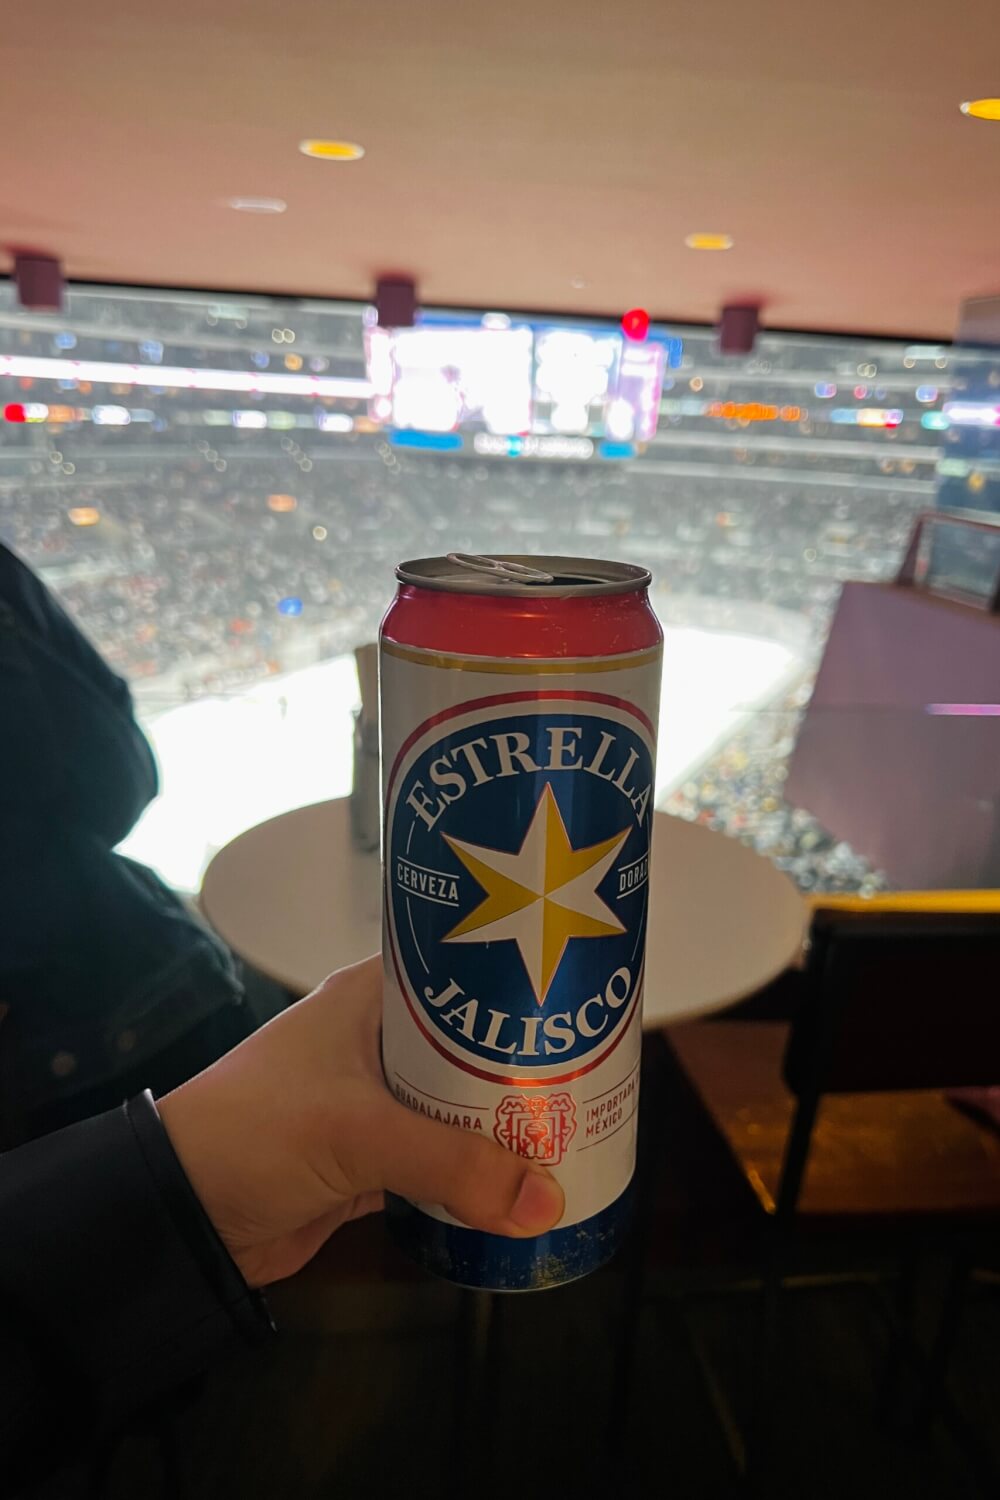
(290, 606)
(982, 109)
(972, 413)
(332, 150)
(319, 533)
(635, 324)
(620, 420)
(282, 504)
(26, 411)
(85, 515)
(708, 240)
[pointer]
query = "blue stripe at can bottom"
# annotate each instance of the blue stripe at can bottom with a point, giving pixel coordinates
(495, 1263)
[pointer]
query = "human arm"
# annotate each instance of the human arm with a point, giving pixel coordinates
(121, 1274)
(72, 752)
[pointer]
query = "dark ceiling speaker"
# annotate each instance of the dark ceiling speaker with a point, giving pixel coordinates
(39, 282)
(396, 301)
(738, 327)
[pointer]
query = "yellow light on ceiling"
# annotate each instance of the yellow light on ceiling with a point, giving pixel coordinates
(281, 503)
(84, 515)
(332, 150)
(982, 109)
(705, 241)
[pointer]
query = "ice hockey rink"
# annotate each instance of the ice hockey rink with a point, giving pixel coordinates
(229, 762)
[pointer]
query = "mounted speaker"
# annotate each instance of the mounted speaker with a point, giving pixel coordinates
(396, 301)
(738, 327)
(39, 282)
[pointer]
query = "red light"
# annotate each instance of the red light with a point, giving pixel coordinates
(635, 324)
(15, 412)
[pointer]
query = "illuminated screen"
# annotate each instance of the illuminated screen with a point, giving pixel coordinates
(518, 384)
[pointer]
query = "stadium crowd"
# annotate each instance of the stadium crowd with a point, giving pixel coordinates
(200, 560)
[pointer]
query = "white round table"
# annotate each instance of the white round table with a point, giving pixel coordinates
(297, 900)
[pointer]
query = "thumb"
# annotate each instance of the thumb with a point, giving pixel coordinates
(472, 1177)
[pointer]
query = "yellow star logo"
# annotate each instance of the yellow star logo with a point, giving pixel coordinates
(541, 896)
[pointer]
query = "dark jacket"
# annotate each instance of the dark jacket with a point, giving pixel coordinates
(107, 982)
(114, 1288)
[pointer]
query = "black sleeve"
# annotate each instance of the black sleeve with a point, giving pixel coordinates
(113, 1286)
(71, 750)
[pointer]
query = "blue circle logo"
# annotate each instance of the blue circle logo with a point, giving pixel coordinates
(517, 861)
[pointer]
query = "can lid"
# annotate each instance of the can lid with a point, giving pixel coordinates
(519, 574)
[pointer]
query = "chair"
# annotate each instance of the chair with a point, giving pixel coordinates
(836, 1120)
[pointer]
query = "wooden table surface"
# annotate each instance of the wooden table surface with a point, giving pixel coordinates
(296, 899)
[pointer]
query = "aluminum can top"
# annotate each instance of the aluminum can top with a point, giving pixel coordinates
(521, 575)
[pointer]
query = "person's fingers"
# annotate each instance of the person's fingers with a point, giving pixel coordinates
(472, 1177)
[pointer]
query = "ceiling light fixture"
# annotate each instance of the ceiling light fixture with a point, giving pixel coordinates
(332, 150)
(706, 241)
(257, 205)
(981, 109)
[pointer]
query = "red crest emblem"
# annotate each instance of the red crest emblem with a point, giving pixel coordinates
(536, 1127)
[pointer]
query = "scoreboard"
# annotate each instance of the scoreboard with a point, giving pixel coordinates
(506, 379)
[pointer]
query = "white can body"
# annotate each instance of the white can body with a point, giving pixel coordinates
(518, 809)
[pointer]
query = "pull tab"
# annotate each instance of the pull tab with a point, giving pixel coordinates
(495, 567)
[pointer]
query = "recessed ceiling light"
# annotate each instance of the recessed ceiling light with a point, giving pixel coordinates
(332, 150)
(982, 109)
(705, 241)
(257, 205)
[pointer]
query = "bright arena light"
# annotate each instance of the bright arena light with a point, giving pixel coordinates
(105, 373)
(227, 763)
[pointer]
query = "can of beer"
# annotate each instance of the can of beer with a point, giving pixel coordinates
(519, 701)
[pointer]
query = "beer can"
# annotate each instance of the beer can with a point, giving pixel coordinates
(519, 699)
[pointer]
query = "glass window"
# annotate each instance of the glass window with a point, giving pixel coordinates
(219, 487)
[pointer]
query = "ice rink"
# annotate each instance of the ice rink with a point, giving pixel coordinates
(229, 762)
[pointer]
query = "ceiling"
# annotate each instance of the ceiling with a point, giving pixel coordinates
(514, 149)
